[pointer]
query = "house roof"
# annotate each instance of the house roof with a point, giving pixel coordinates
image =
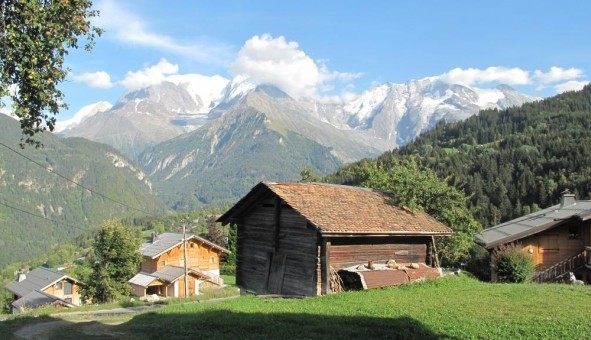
(339, 209)
(166, 241)
(568, 209)
(37, 299)
(167, 274)
(37, 279)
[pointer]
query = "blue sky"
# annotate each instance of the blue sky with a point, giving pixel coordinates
(334, 49)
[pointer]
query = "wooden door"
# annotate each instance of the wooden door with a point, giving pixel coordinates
(276, 272)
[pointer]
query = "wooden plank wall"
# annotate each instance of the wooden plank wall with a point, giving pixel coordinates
(298, 242)
(255, 243)
(567, 247)
(199, 256)
(350, 251)
(260, 238)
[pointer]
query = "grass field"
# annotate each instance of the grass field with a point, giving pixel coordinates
(454, 307)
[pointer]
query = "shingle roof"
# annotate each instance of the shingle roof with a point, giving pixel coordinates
(338, 209)
(37, 279)
(37, 299)
(535, 222)
(166, 241)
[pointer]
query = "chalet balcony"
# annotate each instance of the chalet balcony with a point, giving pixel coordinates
(557, 272)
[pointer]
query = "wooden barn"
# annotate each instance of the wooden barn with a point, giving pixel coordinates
(558, 238)
(294, 237)
(162, 271)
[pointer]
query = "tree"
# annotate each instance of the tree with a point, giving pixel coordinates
(35, 36)
(115, 260)
(421, 189)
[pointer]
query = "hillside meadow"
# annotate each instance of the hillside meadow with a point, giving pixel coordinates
(452, 308)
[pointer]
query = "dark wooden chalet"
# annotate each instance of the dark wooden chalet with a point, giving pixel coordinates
(292, 236)
(558, 239)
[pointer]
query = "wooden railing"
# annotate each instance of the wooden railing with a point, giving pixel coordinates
(557, 271)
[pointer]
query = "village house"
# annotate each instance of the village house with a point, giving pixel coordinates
(41, 287)
(305, 238)
(558, 238)
(162, 271)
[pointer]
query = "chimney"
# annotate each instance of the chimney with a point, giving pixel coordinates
(21, 277)
(154, 236)
(567, 199)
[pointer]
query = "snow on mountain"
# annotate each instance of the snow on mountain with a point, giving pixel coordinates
(400, 112)
(82, 114)
(206, 91)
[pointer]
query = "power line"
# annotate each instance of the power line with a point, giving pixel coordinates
(39, 216)
(74, 182)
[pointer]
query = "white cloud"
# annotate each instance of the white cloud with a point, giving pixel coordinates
(267, 60)
(99, 79)
(557, 74)
(471, 76)
(148, 76)
(572, 85)
(121, 24)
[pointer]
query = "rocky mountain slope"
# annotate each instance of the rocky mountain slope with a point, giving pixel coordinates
(39, 208)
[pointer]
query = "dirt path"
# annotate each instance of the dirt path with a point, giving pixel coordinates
(42, 330)
(39, 330)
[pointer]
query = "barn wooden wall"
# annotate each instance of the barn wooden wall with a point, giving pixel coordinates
(350, 251)
(276, 250)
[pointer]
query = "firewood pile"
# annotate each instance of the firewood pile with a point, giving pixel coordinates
(336, 283)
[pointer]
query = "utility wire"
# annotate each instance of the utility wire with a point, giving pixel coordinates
(39, 216)
(74, 182)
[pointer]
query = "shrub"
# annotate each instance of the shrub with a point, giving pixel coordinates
(512, 264)
(227, 269)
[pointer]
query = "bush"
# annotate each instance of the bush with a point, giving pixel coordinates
(512, 264)
(227, 269)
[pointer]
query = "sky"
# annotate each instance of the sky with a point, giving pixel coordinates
(334, 50)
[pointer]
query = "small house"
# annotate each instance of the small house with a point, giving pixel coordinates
(558, 239)
(162, 270)
(294, 238)
(43, 286)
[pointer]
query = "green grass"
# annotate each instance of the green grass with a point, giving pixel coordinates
(454, 307)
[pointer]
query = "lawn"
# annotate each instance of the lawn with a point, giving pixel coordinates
(454, 307)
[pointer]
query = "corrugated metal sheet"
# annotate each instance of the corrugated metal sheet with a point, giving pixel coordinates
(384, 277)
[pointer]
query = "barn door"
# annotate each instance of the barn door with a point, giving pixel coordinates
(276, 271)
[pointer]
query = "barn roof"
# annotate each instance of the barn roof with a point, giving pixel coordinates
(37, 279)
(339, 209)
(166, 241)
(568, 209)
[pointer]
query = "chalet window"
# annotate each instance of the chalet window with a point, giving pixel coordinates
(574, 232)
(67, 288)
(549, 243)
(212, 260)
(192, 245)
(58, 285)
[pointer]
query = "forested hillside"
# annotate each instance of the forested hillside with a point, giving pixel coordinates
(50, 195)
(509, 162)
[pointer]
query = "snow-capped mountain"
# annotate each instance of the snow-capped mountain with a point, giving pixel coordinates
(82, 114)
(398, 113)
(384, 116)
